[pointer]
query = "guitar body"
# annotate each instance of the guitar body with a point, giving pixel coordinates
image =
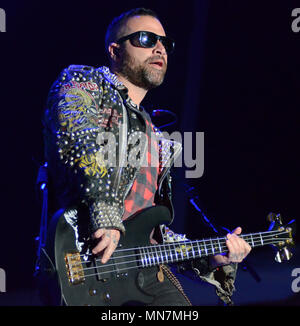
(101, 284)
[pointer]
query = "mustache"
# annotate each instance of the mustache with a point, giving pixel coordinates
(156, 57)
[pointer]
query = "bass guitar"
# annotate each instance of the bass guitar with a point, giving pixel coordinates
(79, 278)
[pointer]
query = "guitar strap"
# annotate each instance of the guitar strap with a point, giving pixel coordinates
(174, 281)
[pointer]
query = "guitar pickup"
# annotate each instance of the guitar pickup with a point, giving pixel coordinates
(74, 268)
(103, 271)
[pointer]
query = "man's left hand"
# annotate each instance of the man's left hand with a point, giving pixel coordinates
(238, 249)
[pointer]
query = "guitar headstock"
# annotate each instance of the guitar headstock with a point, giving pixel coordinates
(284, 235)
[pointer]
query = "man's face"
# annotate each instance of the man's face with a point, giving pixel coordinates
(140, 65)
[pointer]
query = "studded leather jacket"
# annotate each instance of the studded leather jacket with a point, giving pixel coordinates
(89, 117)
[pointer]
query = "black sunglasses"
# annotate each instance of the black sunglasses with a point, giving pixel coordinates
(145, 39)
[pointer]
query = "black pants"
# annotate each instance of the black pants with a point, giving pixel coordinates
(165, 293)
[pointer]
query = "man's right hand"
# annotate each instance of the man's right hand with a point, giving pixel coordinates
(108, 242)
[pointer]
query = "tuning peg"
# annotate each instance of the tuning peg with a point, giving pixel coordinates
(283, 254)
(272, 217)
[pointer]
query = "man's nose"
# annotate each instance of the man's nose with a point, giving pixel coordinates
(159, 48)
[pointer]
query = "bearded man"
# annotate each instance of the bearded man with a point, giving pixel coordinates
(94, 123)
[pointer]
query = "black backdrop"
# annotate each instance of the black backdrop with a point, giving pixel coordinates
(234, 76)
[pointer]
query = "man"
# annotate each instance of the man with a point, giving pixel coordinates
(84, 104)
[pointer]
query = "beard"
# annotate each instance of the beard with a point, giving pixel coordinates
(143, 74)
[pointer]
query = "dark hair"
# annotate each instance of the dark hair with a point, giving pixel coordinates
(116, 24)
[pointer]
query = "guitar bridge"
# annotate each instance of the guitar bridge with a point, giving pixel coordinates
(74, 268)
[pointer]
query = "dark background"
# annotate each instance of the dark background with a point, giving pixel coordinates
(234, 76)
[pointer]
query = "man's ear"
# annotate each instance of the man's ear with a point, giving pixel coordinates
(114, 51)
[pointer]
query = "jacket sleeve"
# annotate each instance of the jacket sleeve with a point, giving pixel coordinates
(222, 278)
(75, 157)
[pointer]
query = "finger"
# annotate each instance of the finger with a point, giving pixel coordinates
(108, 252)
(233, 240)
(114, 237)
(231, 249)
(98, 234)
(247, 248)
(101, 245)
(237, 231)
(234, 248)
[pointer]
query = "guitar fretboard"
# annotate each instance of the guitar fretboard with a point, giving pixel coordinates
(185, 250)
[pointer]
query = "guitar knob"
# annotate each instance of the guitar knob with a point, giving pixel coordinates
(106, 297)
(92, 292)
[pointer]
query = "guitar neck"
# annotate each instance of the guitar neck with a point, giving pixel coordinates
(191, 249)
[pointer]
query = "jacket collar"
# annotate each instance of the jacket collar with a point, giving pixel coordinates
(123, 90)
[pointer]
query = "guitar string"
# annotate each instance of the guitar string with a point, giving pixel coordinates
(176, 246)
(129, 268)
(182, 256)
(258, 235)
(160, 247)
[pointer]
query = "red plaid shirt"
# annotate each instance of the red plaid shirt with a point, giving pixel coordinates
(144, 187)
